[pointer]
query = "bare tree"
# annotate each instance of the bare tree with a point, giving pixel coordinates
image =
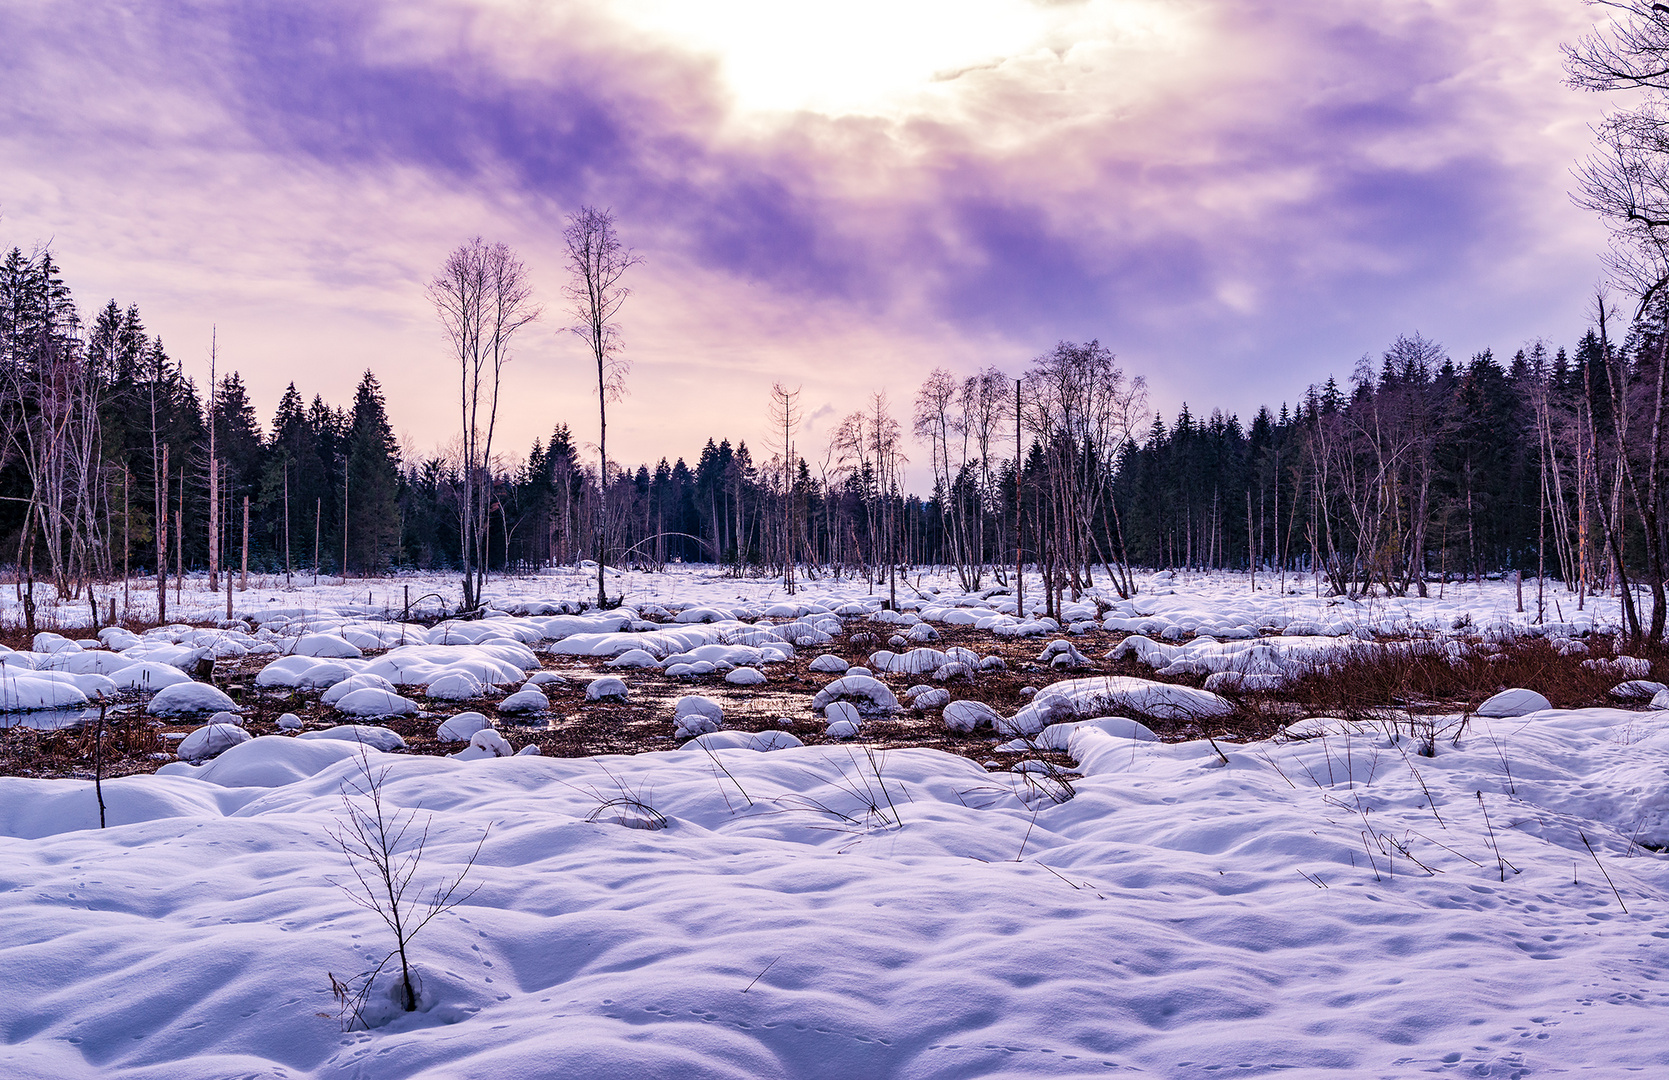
(483, 298)
(597, 260)
(785, 417)
(384, 848)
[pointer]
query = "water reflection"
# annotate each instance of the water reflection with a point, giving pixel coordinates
(49, 719)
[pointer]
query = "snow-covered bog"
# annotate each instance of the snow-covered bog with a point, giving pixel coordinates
(1327, 905)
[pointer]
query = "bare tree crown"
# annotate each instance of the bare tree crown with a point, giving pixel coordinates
(597, 261)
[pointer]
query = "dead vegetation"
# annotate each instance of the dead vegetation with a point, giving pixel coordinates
(1409, 679)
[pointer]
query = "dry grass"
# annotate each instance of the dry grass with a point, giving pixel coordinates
(1374, 683)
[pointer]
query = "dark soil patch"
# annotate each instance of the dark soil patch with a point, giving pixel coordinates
(1373, 683)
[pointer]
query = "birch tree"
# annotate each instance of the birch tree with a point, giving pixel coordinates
(597, 261)
(482, 298)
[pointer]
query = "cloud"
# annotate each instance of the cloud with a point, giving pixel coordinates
(1241, 197)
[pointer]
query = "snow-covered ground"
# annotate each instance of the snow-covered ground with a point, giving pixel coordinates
(1332, 903)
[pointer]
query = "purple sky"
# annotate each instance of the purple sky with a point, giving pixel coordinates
(1238, 197)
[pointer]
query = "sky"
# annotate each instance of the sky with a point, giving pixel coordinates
(1238, 197)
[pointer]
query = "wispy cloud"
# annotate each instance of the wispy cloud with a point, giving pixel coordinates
(1236, 197)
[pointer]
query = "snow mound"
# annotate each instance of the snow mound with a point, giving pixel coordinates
(462, 727)
(372, 702)
(485, 743)
(743, 740)
(1076, 699)
(455, 686)
(209, 740)
(1514, 702)
(828, 663)
(1637, 690)
(872, 692)
(528, 702)
(362, 681)
(377, 738)
(185, 699)
(970, 715)
(607, 688)
(744, 676)
(325, 646)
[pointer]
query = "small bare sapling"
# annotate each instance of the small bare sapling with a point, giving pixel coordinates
(384, 847)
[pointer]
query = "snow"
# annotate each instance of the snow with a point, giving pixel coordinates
(209, 740)
(183, 699)
(462, 727)
(372, 702)
(606, 688)
(325, 645)
(1325, 903)
(377, 738)
(1514, 702)
(872, 692)
(485, 743)
(970, 715)
(529, 702)
(1110, 695)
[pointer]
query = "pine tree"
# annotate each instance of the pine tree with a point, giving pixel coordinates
(373, 482)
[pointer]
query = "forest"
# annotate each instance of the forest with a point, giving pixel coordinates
(1419, 468)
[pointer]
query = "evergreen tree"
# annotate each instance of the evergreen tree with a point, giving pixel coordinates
(373, 482)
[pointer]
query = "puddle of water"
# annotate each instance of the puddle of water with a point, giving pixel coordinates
(49, 719)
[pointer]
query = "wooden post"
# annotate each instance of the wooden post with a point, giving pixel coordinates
(127, 546)
(345, 519)
(318, 510)
(179, 547)
(162, 543)
(244, 587)
(1019, 558)
(286, 521)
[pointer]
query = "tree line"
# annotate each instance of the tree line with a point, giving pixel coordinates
(115, 464)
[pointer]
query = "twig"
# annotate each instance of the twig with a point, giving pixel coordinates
(1027, 837)
(1602, 870)
(761, 974)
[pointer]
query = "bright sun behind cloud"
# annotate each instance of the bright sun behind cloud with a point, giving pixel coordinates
(874, 57)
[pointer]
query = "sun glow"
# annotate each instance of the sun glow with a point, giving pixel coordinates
(876, 57)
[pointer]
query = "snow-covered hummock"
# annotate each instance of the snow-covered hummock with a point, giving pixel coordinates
(1637, 690)
(843, 729)
(744, 676)
(208, 741)
(26, 690)
(606, 688)
(372, 702)
(528, 701)
(485, 743)
(828, 663)
(929, 697)
(1514, 702)
(869, 693)
(362, 681)
(374, 737)
(461, 727)
(332, 646)
(970, 715)
(455, 686)
(1061, 653)
(187, 698)
(694, 715)
(743, 740)
(1076, 699)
